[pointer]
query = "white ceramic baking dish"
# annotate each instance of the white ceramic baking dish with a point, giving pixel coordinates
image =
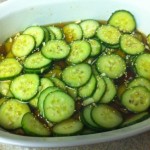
(15, 15)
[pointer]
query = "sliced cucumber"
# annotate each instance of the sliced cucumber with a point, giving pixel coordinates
(108, 34)
(99, 91)
(32, 126)
(11, 113)
(46, 34)
(86, 118)
(136, 99)
(80, 50)
(36, 61)
(23, 45)
(148, 39)
(58, 83)
(34, 101)
(43, 95)
(106, 116)
(51, 35)
(110, 91)
(142, 65)
(72, 32)
(139, 81)
(96, 47)
(45, 82)
(9, 68)
(58, 106)
(5, 88)
(37, 32)
(57, 31)
(116, 46)
(73, 92)
(123, 20)
(76, 76)
(112, 65)
(2, 100)
(89, 27)
(131, 45)
(68, 127)
(88, 89)
(135, 119)
(25, 86)
(55, 49)
(54, 72)
(36, 71)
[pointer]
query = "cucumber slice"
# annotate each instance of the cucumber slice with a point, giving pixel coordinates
(57, 82)
(106, 116)
(25, 87)
(36, 71)
(148, 40)
(123, 20)
(9, 68)
(55, 49)
(51, 35)
(32, 126)
(80, 50)
(88, 88)
(99, 91)
(116, 46)
(45, 82)
(108, 34)
(131, 45)
(23, 45)
(89, 27)
(37, 32)
(96, 47)
(72, 32)
(136, 99)
(43, 95)
(11, 113)
(110, 91)
(73, 92)
(76, 76)
(36, 61)
(2, 100)
(86, 118)
(57, 32)
(46, 34)
(5, 88)
(34, 101)
(58, 106)
(112, 65)
(135, 119)
(54, 72)
(68, 127)
(94, 70)
(139, 81)
(142, 64)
